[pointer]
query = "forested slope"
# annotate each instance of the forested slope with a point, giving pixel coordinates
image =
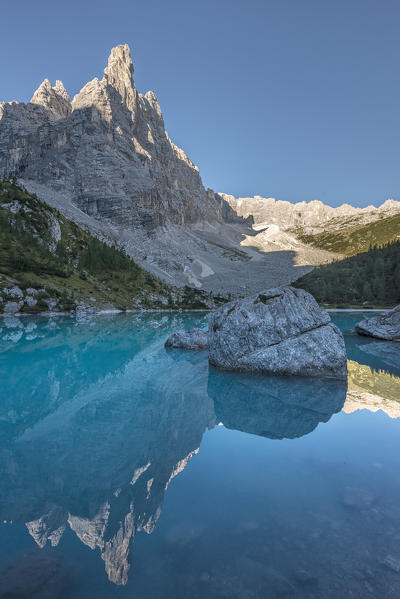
(58, 265)
(372, 277)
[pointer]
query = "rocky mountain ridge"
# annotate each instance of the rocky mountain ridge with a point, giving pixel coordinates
(312, 217)
(107, 148)
(106, 162)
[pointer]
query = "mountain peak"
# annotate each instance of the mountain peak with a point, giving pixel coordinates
(115, 92)
(120, 54)
(61, 91)
(119, 70)
(54, 99)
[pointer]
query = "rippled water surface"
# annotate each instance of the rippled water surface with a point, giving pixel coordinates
(129, 470)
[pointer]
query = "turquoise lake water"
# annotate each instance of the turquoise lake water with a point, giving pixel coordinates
(129, 470)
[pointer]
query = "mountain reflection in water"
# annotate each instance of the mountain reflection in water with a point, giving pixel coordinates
(97, 418)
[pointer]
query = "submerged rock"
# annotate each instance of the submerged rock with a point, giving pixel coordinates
(385, 326)
(392, 563)
(193, 339)
(280, 331)
(357, 498)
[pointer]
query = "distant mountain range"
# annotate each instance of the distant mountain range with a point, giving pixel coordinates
(105, 161)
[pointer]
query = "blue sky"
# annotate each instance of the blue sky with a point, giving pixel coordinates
(295, 99)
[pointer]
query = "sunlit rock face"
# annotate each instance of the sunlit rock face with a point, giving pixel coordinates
(274, 407)
(280, 331)
(107, 150)
(311, 217)
(55, 100)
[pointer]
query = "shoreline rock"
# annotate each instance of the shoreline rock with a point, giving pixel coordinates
(195, 339)
(386, 326)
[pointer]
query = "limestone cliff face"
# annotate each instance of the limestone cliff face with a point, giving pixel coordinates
(107, 149)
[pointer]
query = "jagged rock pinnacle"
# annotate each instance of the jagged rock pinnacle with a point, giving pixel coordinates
(119, 61)
(119, 75)
(115, 95)
(61, 91)
(55, 99)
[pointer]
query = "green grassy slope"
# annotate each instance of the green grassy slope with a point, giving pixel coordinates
(40, 250)
(351, 240)
(371, 277)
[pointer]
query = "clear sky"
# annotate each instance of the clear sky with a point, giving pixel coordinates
(295, 99)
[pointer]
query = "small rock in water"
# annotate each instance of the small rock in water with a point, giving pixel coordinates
(304, 578)
(385, 326)
(193, 339)
(357, 498)
(392, 562)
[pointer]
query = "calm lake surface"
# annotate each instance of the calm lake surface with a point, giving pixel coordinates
(129, 470)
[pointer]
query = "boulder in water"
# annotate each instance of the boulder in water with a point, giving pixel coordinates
(385, 326)
(279, 331)
(193, 339)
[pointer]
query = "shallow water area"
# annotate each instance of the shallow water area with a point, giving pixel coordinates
(131, 470)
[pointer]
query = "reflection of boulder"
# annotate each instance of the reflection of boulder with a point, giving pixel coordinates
(379, 355)
(100, 460)
(274, 407)
(384, 352)
(372, 390)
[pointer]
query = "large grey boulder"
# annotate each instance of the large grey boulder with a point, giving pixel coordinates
(280, 331)
(385, 326)
(193, 339)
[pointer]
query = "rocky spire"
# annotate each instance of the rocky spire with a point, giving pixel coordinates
(119, 70)
(115, 92)
(61, 91)
(55, 99)
(119, 75)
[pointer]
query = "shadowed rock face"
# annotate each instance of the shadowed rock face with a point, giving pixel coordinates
(280, 331)
(274, 407)
(107, 149)
(385, 326)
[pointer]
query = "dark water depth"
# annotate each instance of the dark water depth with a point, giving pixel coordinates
(129, 470)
